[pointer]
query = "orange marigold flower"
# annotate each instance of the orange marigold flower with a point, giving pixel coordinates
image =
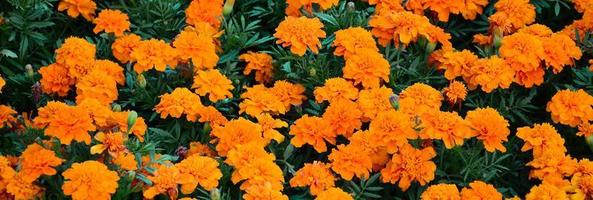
(203, 170)
(489, 127)
(236, 132)
(537, 29)
(89, 180)
(472, 8)
(546, 191)
(347, 162)
(541, 138)
(314, 131)
(214, 84)
(374, 101)
(444, 8)
(455, 92)
(69, 123)
(259, 99)
(20, 188)
(263, 192)
(300, 33)
(511, 15)
(582, 5)
(565, 110)
(335, 89)
(351, 41)
(112, 69)
(387, 5)
(491, 73)
(295, 6)
(37, 161)
(119, 121)
(410, 164)
(126, 161)
(560, 50)
(97, 85)
(113, 142)
(269, 126)
(289, 93)
(259, 172)
(244, 154)
(209, 11)
(261, 63)
(316, 176)
(405, 28)
(480, 190)
(197, 148)
(77, 55)
(153, 53)
(199, 48)
(112, 21)
(165, 180)
(6, 116)
(552, 164)
(446, 126)
(46, 114)
(441, 191)
(585, 129)
(2, 83)
(334, 194)
(211, 115)
(86, 8)
(377, 153)
(123, 46)
(7, 173)
(420, 98)
(344, 117)
(523, 51)
(180, 101)
(368, 68)
(457, 63)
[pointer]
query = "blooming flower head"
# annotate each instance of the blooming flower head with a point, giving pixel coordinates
(74, 8)
(203, 170)
(263, 192)
(112, 21)
(6, 116)
(269, 126)
(199, 48)
(560, 50)
(112, 142)
(347, 162)
(368, 68)
(165, 180)
(546, 191)
(89, 180)
(234, 133)
(541, 138)
(180, 101)
(244, 154)
(336, 89)
(489, 127)
(391, 129)
(552, 164)
(374, 101)
(410, 164)
(20, 188)
(455, 92)
(457, 63)
(441, 191)
(214, 84)
(55, 79)
(420, 98)
(153, 53)
(344, 117)
(118, 121)
(446, 126)
(511, 15)
(300, 33)
(491, 73)
(69, 123)
(260, 63)
(317, 176)
(523, 51)
(444, 8)
(291, 94)
(259, 172)
(314, 131)
(295, 6)
(259, 99)
(565, 110)
(480, 190)
(6, 172)
(334, 194)
(405, 28)
(387, 5)
(123, 46)
(126, 161)
(585, 129)
(377, 153)
(97, 85)
(351, 41)
(197, 148)
(211, 115)
(37, 161)
(77, 55)
(112, 69)
(209, 11)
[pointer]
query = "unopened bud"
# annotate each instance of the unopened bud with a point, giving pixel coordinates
(132, 116)
(116, 107)
(141, 81)
(589, 140)
(351, 6)
(215, 194)
(394, 100)
(430, 47)
(228, 7)
(312, 72)
(29, 69)
(497, 36)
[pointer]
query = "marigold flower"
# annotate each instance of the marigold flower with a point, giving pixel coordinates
(55, 79)
(37, 161)
(334, 194)
(314, 131)
(404, 28)
(291, 94)
(582, 179)
(546, 191)
(180, 101)
(374, 101)
(457, 63)
(126, 161)
(113, 142)
(523, 51)
(199, 48)
(541, 138)
(377, 153)
(197, 148)
(269, 126)
(112, 21)
(123, 46)
(410, 164)
(77, 55)
(511, 15)
(209, 11)
(211, 115)
(455, 92)
(335, 89)
(119, 121)
(441, 191)
(446, 126)
(565, 110)
(263, 192)
(444, 8)
(538, 30)
(300, 33)
(2, 83)
(244, 154)
(165, 180)
(69, 123)
(74, 8)
(112, 69)
(89, 180)
(347, 162)
(559, 51)
(153, 53)
(46, 114)
(351, 41)
(490, 127)
(585, 129)
(344, 117)
(420, 98)
(7, 173)
(261, 63)
(552, 164)
(97, 85)
(20, 188)
(6, 116)
(214, 84)
(387, 5)
(480, 190)
(203, 170)
(259, 99)
(259, 172)
(491, 73)
(368, 68)
(295, 6)
(391, 129)
(236, 132)
(316, 175)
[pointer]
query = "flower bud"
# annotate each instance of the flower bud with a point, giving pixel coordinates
(116, 107)
(132, 116)
(29, 69)
(394, 100)
(228, 7)
(141, 81)
(215, 194)
(497, 36)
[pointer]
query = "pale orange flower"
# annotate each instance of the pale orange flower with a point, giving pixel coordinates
(491, 73)
(446, 126)
(377, 153)
(55, 79)
(20, 188)
(97, 85)
(77, 55)
(541, 138)
(560, 50)
(374, 101)
(410, 164)
(490, 127)
(259, 99)
(300, 33)
(457, 63)
(180, 101)
(351, 41)
(523, 52)
(112, 21)
(565, 110)
(89, 180)
(214, 84)
(455, 92)
(344, 117)
(244, 154)
(420, 98)
(392, 130)
(291, 94)
(511, 15)
(112, 69)
(234, 133)
(546, 191)
(552, 165)
(69, 123)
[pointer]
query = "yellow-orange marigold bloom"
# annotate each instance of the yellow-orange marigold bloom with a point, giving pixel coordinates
(74, 8)
(209, 11)
(344, 117)
(180, 101)
(214, 84)
(89, 180)
(334, 194)
(199, 48)
(20, 188)
(552, 164)
(314, 131)
(582, 179)
(97, 85)
(441, 191)
(446, 126)
(405, 28)
(387, 5)
(444, 8)
(410, 164)
(236, 132)
(511, 15)
(112, 69)
(197, 148)
(523, 51)
(261, 63)
(335, 89)
(582, 5)
(541, 138)
(291, 94)
(300, 33)
(546, 191)
(351, 41)
(126, 161)
(46, 114)
(420, 98)
(537, 29)
(368, 68)
(119, 121)
(317, 176)
(391, 129)
(374, 101)
(165, 180)
(585, 129)
(347, 162)
(55, 79)
(203, 170)
(123, 46)
(259, 99)
(491, 73)
(455, 92)
(472, 8)
(377, 153)
(7, 173)
(112, 21)
(6, 116)
(263, 192)
(77, 55)
(457, 63)
(37, 161)
(480, 190)
(70, 123)
(490, 127)
(269, 126)
(244, 154)
(259, 172)
(294, 6)
(113, 142)
(211, 115)
(565, 110)
(560, 50)
(153, 53)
